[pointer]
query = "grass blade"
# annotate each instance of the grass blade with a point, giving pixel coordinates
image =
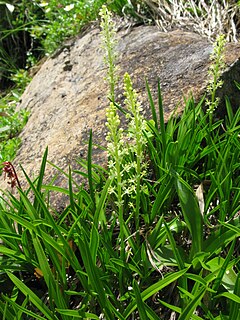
(180, 262)
(77, 314)
(22, 310)
(100, 204)
(224, 267)
(32, 297)
(231, 227)
(192, 215)
(150, 291)
(94, 243)
(189, 309)
(153, 109)
(177, 255)
(139, 301)
(163, 195)
(41, 175)
(94, 276)
(229, 295)
(234, 305)
(89, 168)
(161, 115)
(51, 282)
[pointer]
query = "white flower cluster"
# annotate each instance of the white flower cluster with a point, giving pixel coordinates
(135, 137)
(116, 151)
(127, 165)
(137, 124)
(109, 41)
(215, 72)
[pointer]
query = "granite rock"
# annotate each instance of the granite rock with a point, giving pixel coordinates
(67, 96)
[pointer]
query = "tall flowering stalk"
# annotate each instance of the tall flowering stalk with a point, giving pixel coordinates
(109, 41)
(115, 144)
(137, 144)
(115, 148)
(215, 71)
(116, 153)
(125, 148)
(127, 165)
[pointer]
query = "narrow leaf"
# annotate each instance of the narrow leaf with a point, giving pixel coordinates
(139, 301)
(32, 297)
(192, 215)
(153, 109)
(77, 314)
(229, 295)
(89, 167)
(150, 291)
(190, 308)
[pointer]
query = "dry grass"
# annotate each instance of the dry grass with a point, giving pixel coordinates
(209, 18)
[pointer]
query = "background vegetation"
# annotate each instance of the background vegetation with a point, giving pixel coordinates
(153, 237)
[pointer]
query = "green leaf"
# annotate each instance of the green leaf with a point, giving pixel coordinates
(176, 253)
(89, 167)
(161, 116)
(70, 189)
(153, 109)
(24, 222)
(234, 306)
(32, 297)
(127, 265)
(12, 253)
(178, 257)
(150, 291)
(170, 306)
(162, 196)
(52, 284)
(231, 227)
(230, 296)
(217, 241)
(4, 234)
(215, 265)
(192, 215)
(5, 310)
(77, 314)
(187, 312)
(196, 278)
(22, 309)
(94, 276)
(101, 203)
(224, 268)
(41, 176)
(178, 310)
(94, 243)
(139, 302)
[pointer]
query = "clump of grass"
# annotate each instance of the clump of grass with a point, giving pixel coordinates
(209, 18)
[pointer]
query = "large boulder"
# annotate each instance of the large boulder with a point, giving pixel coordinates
(67, 97)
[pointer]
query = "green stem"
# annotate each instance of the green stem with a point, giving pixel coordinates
(120, 211)
(138, 186)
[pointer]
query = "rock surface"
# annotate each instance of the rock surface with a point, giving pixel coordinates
(67, 97)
